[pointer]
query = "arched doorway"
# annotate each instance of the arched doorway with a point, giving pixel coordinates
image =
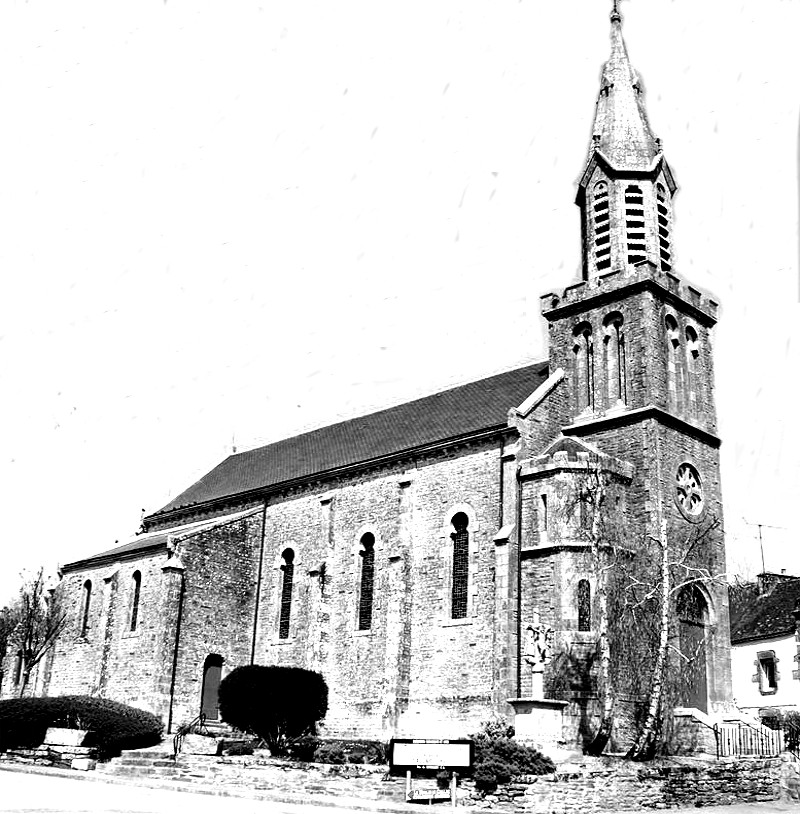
(692, 612)
(212, 675)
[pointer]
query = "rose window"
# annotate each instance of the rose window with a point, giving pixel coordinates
(689, 492)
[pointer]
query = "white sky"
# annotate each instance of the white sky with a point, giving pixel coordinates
(256, 218)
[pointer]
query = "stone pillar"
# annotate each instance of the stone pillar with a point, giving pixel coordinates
(108, 614)
(397, 661)
(170, 611)
(504, 656)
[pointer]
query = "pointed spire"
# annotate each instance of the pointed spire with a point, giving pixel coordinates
(621, 130)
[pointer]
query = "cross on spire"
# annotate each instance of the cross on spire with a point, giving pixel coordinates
(615, 15)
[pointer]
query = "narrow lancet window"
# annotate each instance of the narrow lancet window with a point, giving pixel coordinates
(583, 351)
(634, 224)
(692, 354)
(614, 348)
(87, 604)
(584, 605)
(665, 250)
(460, 538)
(286, 593)
(602, 231)
(137, 588)
(674, 371)
(367, 554)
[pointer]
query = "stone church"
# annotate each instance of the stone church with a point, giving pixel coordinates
(407, 554)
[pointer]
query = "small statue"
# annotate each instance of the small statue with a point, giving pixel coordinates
(538, 642)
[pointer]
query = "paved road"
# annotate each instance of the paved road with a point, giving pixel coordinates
(28, 793)
(23, 793)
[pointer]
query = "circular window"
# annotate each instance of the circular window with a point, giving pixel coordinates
(688, 491)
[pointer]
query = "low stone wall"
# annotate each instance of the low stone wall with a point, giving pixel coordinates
(82, 758)
(613, 785)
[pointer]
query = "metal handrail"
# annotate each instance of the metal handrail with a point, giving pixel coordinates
(198, 726)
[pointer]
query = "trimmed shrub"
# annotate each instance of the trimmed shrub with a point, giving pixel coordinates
(112, 726)
(237, 749)
(279, 704)
(357, 751)
(498, 757)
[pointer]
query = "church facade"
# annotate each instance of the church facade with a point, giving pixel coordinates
(409, 555)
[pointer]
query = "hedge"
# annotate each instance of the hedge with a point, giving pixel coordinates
(112, 726)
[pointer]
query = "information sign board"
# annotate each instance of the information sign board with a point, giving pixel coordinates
(430, 753)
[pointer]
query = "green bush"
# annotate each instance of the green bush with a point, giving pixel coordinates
(330, 753)
(279, 704)
(498, 757)
(237, 749)
(112, 726)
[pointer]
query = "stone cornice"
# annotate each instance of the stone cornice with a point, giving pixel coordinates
(627, 417)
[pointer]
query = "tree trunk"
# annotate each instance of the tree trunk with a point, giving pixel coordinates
(603, 734)
(644, 747)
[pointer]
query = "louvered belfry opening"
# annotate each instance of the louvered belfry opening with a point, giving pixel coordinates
(584, 605)
(634, 224)
(367, 582)
(663, 229)
(286, 593)
(602, 226)
(460, 565)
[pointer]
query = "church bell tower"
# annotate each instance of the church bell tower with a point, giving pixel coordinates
(632, 342)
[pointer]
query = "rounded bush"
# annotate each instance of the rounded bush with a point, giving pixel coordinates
(112, 726)
(279, 704)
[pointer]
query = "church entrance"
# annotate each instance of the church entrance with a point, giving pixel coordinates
(212, 675)
(693, 621)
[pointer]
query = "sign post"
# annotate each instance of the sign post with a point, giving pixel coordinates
(429, 755)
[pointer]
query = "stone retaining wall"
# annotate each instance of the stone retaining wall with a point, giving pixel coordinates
(608, 785)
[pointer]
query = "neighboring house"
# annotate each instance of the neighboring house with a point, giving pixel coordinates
(765, 647)
(412, 555)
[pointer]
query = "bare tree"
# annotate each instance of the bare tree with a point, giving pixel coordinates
(39, 620)
(639, 584)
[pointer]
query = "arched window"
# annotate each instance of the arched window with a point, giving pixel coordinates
(584, 605)
(367, 555)
(87, 604)
(583, 351)
(614, 347)
(460, 538)
(634, 224)
(137, 588)
(692, 354)
(209, 696)
(18, 668)
(602, 232)
(286, 593)
(674, 369)
(663, 229)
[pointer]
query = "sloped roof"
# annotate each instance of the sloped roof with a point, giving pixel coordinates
(769, 615)
(459, 412)
(153, 541)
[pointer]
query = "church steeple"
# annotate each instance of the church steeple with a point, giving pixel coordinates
(625, 192)
(621, 130)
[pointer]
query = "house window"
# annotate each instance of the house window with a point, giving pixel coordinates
(602, 234)
(87, 604)
(584, 605)
(767, 666)
(137, 587)
(367, 554)
(286, 593)
(460, 538)
(634, 224)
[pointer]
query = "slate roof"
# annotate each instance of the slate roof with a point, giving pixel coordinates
(768, 616)
(462, 411)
